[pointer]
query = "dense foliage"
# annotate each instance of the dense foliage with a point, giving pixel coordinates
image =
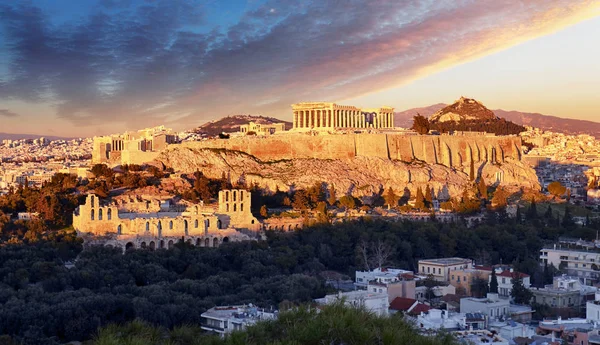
(334, 324)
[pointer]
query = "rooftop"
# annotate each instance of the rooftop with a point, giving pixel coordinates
(242, 312)
(446, 261)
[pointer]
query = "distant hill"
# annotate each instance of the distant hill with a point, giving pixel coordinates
(231, 124)
(545, 122)
(10, 136)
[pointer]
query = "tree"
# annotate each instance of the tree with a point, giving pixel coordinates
(494, 282)
(348, 202)
(519, 292)
(557, 189)
(300, 200)
(391, 199)
(428, 196)
(419, 199)
(472, 171)
(332, 199)
(264, 212)
(482, 188)
(532, 211)
(479, 287)
(381, 253)
(500, 198)
(567, 221)
(420, 124)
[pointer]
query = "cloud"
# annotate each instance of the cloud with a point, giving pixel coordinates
(143, 64)
(8, 113)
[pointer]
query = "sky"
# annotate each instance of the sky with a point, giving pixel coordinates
(94, 67)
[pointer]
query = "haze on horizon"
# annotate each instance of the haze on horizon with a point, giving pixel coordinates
(95, 67)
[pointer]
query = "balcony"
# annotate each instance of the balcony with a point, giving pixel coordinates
(208, 327)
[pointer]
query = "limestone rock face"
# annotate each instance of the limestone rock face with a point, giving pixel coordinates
(359, 176)
(463, 109)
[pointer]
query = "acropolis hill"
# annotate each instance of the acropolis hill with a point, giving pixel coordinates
(359, 150)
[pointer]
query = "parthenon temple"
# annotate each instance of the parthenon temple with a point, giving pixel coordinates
(315, 115)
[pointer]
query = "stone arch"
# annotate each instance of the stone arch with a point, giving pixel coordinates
(226, 195)
(225, 239)
(100, 214)
(161, 244)
(241, 195)
(196, 223)
(215, 242)
(196, 209)
(198, 241)
(119, 229)
(252, 221)
(241, 207)
(185, 226)
(289, 227)
(189, 241)
(170, 244)
(129, 245)
(207, 242)
(219, 224)
(234, 207)
(147, 226)
(93, 201)
(152, 245)
(143, 245)
(159, 228)
(170, 225)
(109, 214)
(234, 195)
(92, 212)
(226, 207)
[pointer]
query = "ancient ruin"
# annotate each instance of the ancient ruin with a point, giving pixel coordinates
(324, 115)
(198, 224)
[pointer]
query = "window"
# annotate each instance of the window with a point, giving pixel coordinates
(100, 214)
(576, 265)
(147, 226)
(109, 214)
(92, 215)
(503, 280)
(428, 269)
(439, 271)
(196, 223)
(171, 225)
(453, 277)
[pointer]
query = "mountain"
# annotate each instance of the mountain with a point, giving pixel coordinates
(544, 122)
(231, 124)
(11, 136)
(465, 109)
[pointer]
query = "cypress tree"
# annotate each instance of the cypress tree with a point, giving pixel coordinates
(494, 282)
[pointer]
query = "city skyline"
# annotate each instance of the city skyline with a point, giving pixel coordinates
(98, 67)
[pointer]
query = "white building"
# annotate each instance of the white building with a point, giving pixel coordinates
(511, 329)
(592, 310)
(436, 319)
(492, 305)
(441, 268)
(480, 337)
(376, 303)
(505, 281)
(382, 275)
(583, 264)
(224, 320)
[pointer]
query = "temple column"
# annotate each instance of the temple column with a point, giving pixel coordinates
(326, 118)
(303, 118)
(309, 120)
(294, 122)
(392, 120)
(321, 118)
(345, 117)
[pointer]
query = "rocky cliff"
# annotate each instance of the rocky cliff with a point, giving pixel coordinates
(359, 176)
(464, 109)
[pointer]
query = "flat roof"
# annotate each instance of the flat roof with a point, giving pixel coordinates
(446, 261)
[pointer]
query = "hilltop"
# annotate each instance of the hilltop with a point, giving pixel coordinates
(545, 122)
(465, 109)
(231, 124)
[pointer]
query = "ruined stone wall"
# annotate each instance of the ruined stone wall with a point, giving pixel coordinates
(448, 150)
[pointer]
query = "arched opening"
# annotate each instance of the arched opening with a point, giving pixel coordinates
(170, 244)
(219, 224)
(92, 215)
(119, 229)
(143, 245)
(241, 207)
(289, 227)
(159, 228)
(196, 223)
(252, 221)
(147, 226)
(198, 241)
(161, 244)
(185, 226)
(227, 196)
(100, 214)
(215, 242)
(129, 245)
(241, 195)
(93, 201)
(234, 195)
(109, 214)
(225, 239)
(171, 225)
(207, 242)
(227, 207)
(189, 241)
(196, 209)
(152, 245)
(234, 207)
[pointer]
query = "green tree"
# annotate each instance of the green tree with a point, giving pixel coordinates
(332, 198)
(519, 292)
(391, 199)
(532, 211)
(420, 124)
(567, 220)
(419, 200)
(300, 201)
(557, 189)
(348, 202)
(493, 282)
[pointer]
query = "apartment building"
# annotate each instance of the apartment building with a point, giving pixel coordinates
(580, 263)
(441, 268)
(226, 319)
